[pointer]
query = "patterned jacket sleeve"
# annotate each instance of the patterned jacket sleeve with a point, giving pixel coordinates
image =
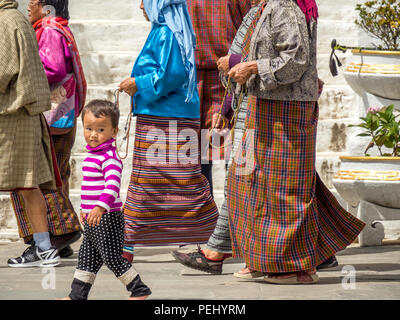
(292, 47)
(54, 52)
(9, 58)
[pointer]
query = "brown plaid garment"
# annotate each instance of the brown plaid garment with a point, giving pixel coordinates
(61, 216)
(25, 150)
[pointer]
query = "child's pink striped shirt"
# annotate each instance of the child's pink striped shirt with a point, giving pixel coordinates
(101, 183)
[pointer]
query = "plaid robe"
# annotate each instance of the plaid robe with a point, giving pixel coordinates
(25, 147)
(61, 216)
(282, 217)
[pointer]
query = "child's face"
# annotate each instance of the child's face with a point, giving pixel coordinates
(97, 130)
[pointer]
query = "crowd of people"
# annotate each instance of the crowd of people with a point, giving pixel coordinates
(247, 67)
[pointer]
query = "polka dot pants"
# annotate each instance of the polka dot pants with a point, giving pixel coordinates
(103, 244)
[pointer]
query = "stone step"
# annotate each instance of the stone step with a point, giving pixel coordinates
(107, 68)
(7, 221)
(109, 35)
(338, 102)
(327, 165)
(122, 35)
(333, 134)
(107, 93)
(99, 9)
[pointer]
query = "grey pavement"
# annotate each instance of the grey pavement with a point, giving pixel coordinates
(371, 273)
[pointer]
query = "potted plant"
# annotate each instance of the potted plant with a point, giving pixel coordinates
(375, 70)
(371, 184)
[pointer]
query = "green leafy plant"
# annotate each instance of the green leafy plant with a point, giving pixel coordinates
(382, 126)
(381, 19)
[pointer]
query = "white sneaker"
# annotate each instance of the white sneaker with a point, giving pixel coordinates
(34, 257)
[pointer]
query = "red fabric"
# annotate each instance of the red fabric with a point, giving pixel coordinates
(59, 24)
(310, 9)
(215, 23)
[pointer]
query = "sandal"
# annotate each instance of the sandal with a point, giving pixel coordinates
(293, 279)
(252, 274)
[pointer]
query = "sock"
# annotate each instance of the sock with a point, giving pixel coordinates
(127, 253)
(129, 249)
(42, 240)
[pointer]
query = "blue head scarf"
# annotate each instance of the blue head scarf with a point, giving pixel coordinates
(175, 14)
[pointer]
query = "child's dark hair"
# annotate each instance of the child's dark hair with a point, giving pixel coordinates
(61, 7)
(103, 108)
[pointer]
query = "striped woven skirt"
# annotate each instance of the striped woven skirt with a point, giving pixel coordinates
(282, 216)
(61, 216)
(168, 200)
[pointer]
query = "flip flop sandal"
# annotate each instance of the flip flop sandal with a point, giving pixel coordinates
(249, 275)
(291, 280)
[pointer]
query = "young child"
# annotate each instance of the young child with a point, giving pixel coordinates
(101, 214)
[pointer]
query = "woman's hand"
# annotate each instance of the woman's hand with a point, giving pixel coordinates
(128, 86)
(243, 71)
(223, 64)
(219, 121)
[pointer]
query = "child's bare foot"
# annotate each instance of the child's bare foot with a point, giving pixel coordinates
(139, 298)
(66, 298)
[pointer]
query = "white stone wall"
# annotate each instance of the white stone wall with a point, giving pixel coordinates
(110, 35)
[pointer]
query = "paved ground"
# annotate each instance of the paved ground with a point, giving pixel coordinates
(376, 269)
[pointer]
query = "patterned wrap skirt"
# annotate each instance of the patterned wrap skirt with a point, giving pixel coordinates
(168, 200)
(61, 216)
(282, 217)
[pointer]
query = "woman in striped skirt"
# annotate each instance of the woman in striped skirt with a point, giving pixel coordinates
(283, 220)
(169, 200)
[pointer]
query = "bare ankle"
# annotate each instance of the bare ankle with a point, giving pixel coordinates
(215, 255)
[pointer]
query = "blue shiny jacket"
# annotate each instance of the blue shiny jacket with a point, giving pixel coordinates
(161, 78)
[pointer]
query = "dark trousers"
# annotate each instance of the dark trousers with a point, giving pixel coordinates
(206, 170)
(102, 244)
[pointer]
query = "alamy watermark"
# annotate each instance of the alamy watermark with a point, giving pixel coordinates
(349, 278)
(188, 146)
(49, 279)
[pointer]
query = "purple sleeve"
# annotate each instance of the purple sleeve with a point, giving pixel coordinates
(55, 55)
(234, 59)
(227, 110)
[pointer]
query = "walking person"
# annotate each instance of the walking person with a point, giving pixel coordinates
(283, 219)
(61, 61)
(169, 200)
(215, 24)
(219, 246)
(27, 161)
(101, 205)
